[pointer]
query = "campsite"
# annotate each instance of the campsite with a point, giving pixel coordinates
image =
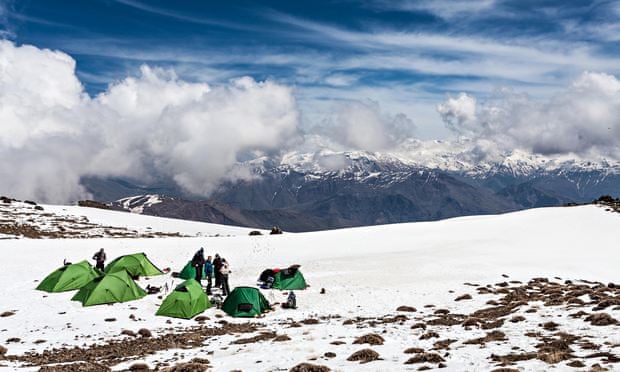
(309, 186)
(116, 285)
(385, 288)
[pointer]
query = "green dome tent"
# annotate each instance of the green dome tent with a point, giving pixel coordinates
(136, 264)
(245, 302)
(189, 272)
(69, 277)
(186, 301)
(111, 288)
(290, 279)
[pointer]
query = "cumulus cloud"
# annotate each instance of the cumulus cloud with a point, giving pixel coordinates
(584, 119)
(155, 124)
(459, 113)
(53, 133)
(363, 125)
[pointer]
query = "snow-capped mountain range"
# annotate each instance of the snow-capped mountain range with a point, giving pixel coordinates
(517, 163)
(327, 189)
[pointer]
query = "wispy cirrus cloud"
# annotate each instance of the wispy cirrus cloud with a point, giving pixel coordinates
(442, 8)
(6, 30)
(183, 17)
(524, 59)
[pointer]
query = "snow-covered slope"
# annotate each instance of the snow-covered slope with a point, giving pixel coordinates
(366, 272)
(29, 220)
(147, 223)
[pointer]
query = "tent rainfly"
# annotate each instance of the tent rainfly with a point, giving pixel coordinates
(189, 271)
(245, 302)
(136, 264)
(186, 301)
(69, 277)
(289, 279)
(110, 288)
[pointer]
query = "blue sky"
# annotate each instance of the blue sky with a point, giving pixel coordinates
(404, 55)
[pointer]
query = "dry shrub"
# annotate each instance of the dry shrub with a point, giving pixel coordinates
(141, 367)
(428, 335)
(414, 350)
(307, 367)
(601, 319)
(186, 367)
(76, 367)
(425, 358)
(364, 356)
(371, 339)
(145, 332)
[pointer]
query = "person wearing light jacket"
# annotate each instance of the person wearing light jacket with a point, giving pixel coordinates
(224, 272)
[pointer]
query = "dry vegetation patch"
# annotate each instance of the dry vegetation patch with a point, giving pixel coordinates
(371, 339)
(364, 356)
(307, 367)
(425, 358)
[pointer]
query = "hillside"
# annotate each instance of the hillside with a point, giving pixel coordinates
(30, 220)
(367, 273)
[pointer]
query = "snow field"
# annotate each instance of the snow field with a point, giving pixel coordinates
(367, 272)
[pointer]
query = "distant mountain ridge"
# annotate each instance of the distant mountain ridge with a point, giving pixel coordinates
(314, 191)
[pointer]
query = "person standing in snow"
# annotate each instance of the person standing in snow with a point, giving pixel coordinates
(198, 262)
(99, 258)
(217, 265)
(224, 272)
(208, 273)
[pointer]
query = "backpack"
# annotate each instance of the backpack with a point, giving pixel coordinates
(291, 301)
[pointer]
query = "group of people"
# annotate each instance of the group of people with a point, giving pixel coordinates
(217, 268)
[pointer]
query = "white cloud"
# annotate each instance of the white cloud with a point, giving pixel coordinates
(341, 80)
(362, 125)
(532, 59)
(53, 133)
(583, 119)
(458, 113)
(39, 101)
(444, 9)
(5, 27)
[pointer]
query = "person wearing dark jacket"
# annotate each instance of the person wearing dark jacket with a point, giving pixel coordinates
(198, 262)
(209, 273)
(217, 265)
(99, 258)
